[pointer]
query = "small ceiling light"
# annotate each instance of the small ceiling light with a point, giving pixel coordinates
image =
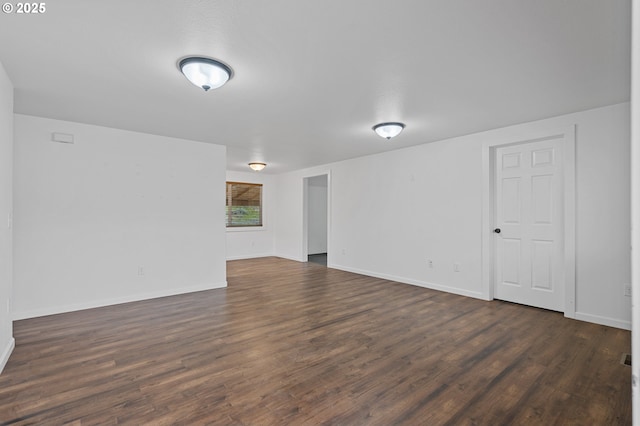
(388, 130)
(257, 166)
(204, 72)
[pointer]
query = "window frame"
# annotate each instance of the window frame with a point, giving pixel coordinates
(243, 227)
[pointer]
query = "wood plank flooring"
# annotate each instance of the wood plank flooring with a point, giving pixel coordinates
(300, 344)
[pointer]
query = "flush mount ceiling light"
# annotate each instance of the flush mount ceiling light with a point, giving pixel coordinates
(388, 130)
(205, 73)
(257, 166)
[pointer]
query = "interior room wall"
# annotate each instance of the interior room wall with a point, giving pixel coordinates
(392, 212)
(635, 208)
(317, 214)
(246, 243)
(114, 217)
(7, 341)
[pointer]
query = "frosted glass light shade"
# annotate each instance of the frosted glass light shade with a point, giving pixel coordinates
(205, 73)
(257, 166)
(388, 130)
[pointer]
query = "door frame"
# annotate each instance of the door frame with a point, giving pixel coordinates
(305, 214)
(568, 136)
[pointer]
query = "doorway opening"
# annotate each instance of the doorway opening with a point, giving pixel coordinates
(317, 219)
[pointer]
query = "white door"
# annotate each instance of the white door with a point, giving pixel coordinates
(528, 233)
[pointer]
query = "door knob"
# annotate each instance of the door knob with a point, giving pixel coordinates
(497, 230)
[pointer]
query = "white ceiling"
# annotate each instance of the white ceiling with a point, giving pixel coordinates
(313, 77)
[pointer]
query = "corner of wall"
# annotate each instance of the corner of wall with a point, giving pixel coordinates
(6, 214)
(4, 358)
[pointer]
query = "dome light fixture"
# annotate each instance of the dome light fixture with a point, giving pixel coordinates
(255, 166)
(205, 73)
(388, 130)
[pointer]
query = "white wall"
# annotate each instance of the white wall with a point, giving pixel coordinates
(635, 200)
(115, 217)
(317, 214)
(6, 201)
(245, 243)
(392, 211)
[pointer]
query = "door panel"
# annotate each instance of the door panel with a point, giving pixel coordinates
(542, 199)
(511, 261)
(529, 249)
(542, 265)
(542, 157)
(511, 200)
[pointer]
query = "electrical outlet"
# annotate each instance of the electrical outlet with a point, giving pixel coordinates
(627, 290)
(140, 271)
(430, 263)
(456, 267)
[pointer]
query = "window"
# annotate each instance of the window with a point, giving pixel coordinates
(244, 204)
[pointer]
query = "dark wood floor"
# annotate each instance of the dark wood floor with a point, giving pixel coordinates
(297, 343)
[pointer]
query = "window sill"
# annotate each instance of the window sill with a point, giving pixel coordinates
(247, 229)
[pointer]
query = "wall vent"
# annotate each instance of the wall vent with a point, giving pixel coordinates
(62, 137)
(625, 359)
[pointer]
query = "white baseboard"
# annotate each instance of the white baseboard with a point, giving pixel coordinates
(296, 259)
(4, 358)
(250, 256)
(611, 322)
(115, 301)
(404, 280)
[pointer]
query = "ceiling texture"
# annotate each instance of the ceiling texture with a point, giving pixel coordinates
(312, 77)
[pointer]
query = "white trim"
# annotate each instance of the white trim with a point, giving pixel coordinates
(329, 251)
(569, 154)
(305, 218)
(488, 149)
(246, 228)
(411, 281)
(250, 256)
(296, 259)
(115, 301)
(597, 319)
(7, 353)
